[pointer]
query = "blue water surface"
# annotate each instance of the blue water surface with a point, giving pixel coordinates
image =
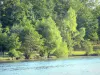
(71, 66)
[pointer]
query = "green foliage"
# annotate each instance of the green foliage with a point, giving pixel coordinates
(88, 20)
(32, 43)
(62, 51)
(71, 20)
(98, 52)
(80, 36)
(31, 40)
(60, 9)
(8, 9)
(48, 27)
(43, 8)
(13, 53)
(75, 4)
(88, 47)
(13, 41)
(3, 40)
(68, 29)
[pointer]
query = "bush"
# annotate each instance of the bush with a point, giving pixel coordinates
(13, 53)
(88, 47)
(62, 51)
(31, 55)
(98, 52)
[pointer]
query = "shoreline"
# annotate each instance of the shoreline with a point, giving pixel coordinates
(42, 59)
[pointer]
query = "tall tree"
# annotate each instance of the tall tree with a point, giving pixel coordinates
(85, 18)
(3, 40)
(48, 29)
(32, 43)
(31, 40)
(67, 27)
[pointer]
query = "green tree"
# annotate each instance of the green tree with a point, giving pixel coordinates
(41, 8)
(62, 51)
(3, 40)
(8, 9)
(71, 20)
(13, 11)
(96, 13)
(13, 45)
(47, 28)
(13, 42)
(13, 53)
(31, 40)
(32, 43)
(86, 19)
(60, 9)
(88, 47)
(80, 36)
(67, 27)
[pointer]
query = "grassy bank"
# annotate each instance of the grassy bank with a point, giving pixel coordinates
(83, 53)
(74, 53)
(78, 53)
(9, 59)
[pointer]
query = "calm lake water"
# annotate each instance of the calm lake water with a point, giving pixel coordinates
(71, 66)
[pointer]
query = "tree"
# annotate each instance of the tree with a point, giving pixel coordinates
(60, 9)
(3, 40)
(13, 11)
(41, 8)
(75, 4)
(62, 51)
(31, 40)
(13, 45)
(80, 36)
(13, 53)
(32, 43)
(86, 19)
(67, 27)
(8, 9)
(47, 28)
(13, 42)
(96, 14)
(88, 47)
(71, 20)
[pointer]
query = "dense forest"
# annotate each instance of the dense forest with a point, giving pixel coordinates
(45, 28)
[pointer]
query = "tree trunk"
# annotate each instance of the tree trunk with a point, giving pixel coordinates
(27, 56)
(12, 58)
(48, 55)
(3, 53)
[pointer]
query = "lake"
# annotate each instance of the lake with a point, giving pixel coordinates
(71, 66)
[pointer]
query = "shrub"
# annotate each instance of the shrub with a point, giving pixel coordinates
(62, 51)
(13, 53)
